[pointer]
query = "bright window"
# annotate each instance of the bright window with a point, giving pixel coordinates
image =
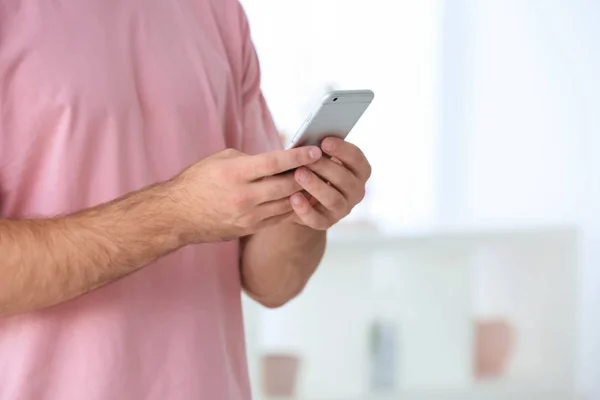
(391, 47)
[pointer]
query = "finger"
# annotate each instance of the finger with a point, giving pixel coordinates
(276, 162)
(325, 194)
(337, 161)
(277, 187)
(352, 157)
(274, 208)
(309, 197)
(339, 176)
(307, 214)
(228, 153)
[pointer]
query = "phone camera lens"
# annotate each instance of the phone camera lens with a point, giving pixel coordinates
(335, 99)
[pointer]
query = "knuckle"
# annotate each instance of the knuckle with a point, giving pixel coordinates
(369, 170)
(230, 152)
(360, 152)
(356, 153)
(357, 156)
(362, 192)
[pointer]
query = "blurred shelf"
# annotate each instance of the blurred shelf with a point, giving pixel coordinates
(463, 395)
(431, 281)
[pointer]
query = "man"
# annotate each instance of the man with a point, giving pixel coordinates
(135, 149)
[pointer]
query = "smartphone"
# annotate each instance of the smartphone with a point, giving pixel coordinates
(336, 115)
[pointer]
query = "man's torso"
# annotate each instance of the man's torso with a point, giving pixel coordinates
(97, 99)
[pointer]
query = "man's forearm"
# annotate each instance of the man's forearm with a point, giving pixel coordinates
(278, 262)
(48, 261)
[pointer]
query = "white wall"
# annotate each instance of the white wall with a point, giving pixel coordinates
(388, 46)
(525, 113)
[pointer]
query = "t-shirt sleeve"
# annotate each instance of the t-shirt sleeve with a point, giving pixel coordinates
(259, 133)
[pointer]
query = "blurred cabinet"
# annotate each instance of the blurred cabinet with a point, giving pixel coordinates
(487, 312)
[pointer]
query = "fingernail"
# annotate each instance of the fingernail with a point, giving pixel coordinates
(303, 176)
(337, 161)
(328, 145)
(314, 153)
(296, 200)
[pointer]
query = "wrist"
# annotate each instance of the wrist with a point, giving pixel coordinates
(295, 223)
(300, 232)
(153, 212)
(176, 221)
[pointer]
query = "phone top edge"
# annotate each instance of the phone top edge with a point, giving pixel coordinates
(364, 95)
(353, 91)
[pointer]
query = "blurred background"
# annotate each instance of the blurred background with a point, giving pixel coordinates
(472, 269)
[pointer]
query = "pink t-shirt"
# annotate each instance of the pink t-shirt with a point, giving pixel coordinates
(99, 98)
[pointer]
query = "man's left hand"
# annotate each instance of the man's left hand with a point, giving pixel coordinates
(335, 185)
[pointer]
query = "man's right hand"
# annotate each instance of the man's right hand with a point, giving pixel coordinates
(232, 194)
(224, 196)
